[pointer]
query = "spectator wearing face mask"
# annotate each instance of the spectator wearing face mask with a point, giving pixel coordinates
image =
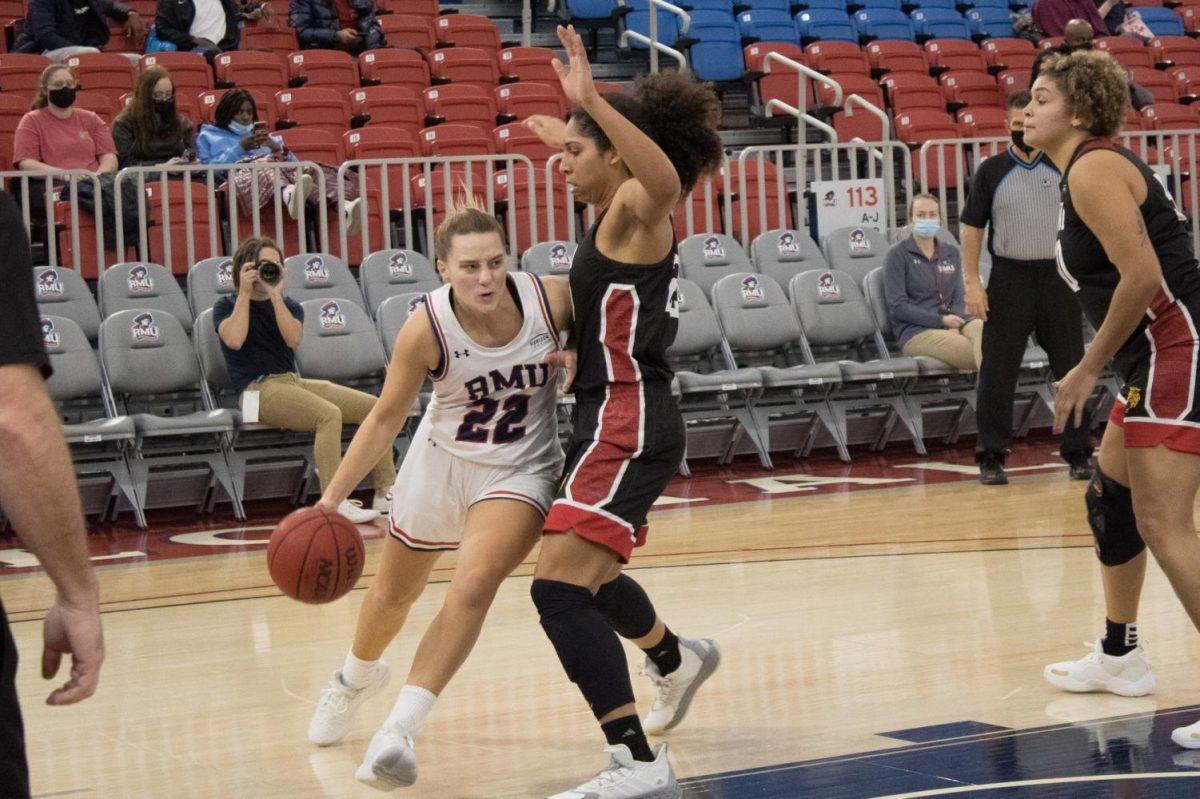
(923, 284)
(149, 131)
(1015, 195)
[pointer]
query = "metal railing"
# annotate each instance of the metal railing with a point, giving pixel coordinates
(651, 41)
(49, 187)
(800, 109)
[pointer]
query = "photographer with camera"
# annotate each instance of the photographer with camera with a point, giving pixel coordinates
(259, 327)
(923, 283)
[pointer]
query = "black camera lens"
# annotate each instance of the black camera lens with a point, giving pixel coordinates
(268, 272)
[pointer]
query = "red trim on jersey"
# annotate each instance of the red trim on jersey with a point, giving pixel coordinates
(443, 350)
(416, 543)
(618, 437)
(1173, 354)
(1155, 433)
(595, 527)
(544, 303)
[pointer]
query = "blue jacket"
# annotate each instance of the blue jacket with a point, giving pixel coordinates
(316, 23)
(51, 24)
(915, 287)
(222, 146)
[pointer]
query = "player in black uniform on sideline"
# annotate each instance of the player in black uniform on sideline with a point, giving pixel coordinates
(1125, 249)
(633, 157)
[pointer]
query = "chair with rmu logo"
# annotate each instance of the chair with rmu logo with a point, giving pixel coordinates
(143, 285)
(63, 292)
(387, 273)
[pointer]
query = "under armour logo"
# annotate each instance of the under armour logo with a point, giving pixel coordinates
(462, 353)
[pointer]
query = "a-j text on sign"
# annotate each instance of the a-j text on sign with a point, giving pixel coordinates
(848, 203)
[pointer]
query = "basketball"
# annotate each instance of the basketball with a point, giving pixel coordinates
(315, 555)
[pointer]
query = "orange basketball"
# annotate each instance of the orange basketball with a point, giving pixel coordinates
(315, 555)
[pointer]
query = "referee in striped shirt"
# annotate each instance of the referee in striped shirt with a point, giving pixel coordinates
(1017, 194)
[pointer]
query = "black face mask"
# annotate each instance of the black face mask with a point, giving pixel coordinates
(1018, 140)
(165, 108)
(63, 97)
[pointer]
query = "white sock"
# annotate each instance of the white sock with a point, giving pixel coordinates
(287, 194)
(411, 709)
(358, 673)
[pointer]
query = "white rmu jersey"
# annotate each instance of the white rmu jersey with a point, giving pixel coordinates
(494, 406)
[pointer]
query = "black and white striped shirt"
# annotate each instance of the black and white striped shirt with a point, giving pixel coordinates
(1020, 201)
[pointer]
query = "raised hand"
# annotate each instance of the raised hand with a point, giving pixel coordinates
(551, 130)
(576, 78)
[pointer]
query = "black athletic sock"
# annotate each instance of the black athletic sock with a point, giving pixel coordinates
(1119, 639)
(665, 655)
(627, 730)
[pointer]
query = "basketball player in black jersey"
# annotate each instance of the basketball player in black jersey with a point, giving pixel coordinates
(1125, 249)
(633, 157)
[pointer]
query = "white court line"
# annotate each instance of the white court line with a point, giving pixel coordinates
(1152, 775)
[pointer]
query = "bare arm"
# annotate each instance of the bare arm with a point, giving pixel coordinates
(976, 295)
(233, 330)
(289, 326)
(1107, 191)
(562, 309)
(415, 354)
(34, 165)
(108, 163)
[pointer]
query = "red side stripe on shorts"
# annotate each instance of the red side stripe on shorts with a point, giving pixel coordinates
(619, 434)
(1173, 353)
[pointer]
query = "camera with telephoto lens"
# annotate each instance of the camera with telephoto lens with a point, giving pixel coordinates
(268, 272)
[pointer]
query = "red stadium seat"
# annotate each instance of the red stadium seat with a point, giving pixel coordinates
(1127, 50)
(467, 30)
(394, 68)
(841, 57)
(190, 72)
(521, 100)
(264, 103)
(755, 54)
(83, 261)
(1002, 54)
(1014, 81)
(1158, 83)
(1171, 116)
(465, 104)
(1187, 83)
(119, 41)
(429, 9)
(380, 142)
(859, 124)
(761, 202)
(331, 68)
(176, 222)
(280, 40)
(520, 212)
(853, 83)
(99, 103)
(971, 88)
(888, 56)
(922, 125)
(455, 140)
(910, 83)
(408, 31)
(1190, 14)
(982, 122)
(464, 66)
(1134, 121)
(957, 54)
(389, 106)
(108, 73)
(12, 108)
(266, 72)
(516, 139)
(320, 107)
(529, 65)
(314, 144)
(1176, 51)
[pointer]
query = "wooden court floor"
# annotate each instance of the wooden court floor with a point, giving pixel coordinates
(841, 614)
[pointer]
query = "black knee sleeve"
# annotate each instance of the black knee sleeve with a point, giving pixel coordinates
(1110, 514)
(626, 607)
(587, 647)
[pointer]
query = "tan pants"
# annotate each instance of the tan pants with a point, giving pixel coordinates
(962, 349)
(293, 403)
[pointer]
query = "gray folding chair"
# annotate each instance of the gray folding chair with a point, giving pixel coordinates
(60, 291)
(782, 254)
(836, 326)
(255, 442)
(708, 389)
(100, 440)
(549, 258)
(143, 286)
(762, 330)
(393, 313)
(314, 275)
(389, 272)
(707, 257)
(208, 281)
(151, 372)
(855, 250)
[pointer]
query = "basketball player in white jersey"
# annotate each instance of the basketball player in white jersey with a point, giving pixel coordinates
(479, 477)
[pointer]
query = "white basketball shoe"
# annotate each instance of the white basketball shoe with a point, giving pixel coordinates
(698, 660)
(626, 778)
(334, 716)
(1127, 675)
(390, 762)
(353, 510)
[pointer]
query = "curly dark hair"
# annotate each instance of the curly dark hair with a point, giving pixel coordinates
(1096, 88)
(229, 105)
(680, 114)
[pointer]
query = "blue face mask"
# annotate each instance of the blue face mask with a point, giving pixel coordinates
(927, 228)
(240, 129)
